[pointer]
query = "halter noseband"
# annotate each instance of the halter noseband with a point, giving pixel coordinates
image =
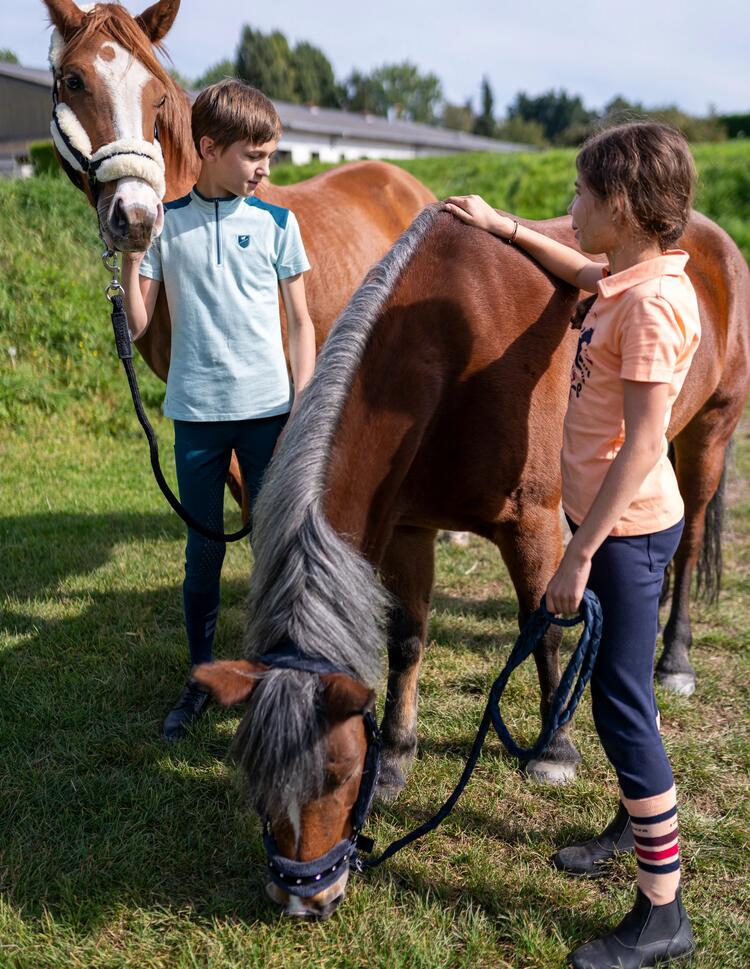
(123, 158)
(308, 878)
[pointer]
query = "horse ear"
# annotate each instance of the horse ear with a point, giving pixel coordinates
(230, 680)
(66, 15)
(345, 697)
(156, 20)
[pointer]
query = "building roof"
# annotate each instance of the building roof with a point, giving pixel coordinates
(329, 122)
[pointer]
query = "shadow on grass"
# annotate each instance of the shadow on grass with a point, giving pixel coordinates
(97, 811)
(40, 551)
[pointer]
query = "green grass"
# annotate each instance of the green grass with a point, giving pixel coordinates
(115, 851)
(118, 852)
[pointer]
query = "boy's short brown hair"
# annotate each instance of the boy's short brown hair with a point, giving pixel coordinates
(647, 167)
(233, 111)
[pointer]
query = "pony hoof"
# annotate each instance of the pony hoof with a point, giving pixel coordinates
(551, 772)
(461, 539)
(680, 683)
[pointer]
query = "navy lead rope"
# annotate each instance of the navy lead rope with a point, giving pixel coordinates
(568, 693)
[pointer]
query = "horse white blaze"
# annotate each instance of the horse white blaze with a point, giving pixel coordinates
(124, 78)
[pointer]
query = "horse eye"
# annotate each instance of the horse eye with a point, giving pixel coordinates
(73, 83)
(162, 102)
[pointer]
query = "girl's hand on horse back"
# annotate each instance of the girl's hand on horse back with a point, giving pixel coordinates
(565, 590)
(473, 210)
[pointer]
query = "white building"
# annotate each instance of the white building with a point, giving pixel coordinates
(310, 133)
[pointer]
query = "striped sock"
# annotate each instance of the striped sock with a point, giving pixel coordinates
(654, 822)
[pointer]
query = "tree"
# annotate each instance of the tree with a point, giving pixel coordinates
(521, 132)
(266, 62)
(218, 72)
(315, 81)
(458, 117)
(8, 56)
(401, 87)
(485, 123)
(181, 79)
(554, 110)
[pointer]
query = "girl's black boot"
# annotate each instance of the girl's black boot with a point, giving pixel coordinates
(649, 935)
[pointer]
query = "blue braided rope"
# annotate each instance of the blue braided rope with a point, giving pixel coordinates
(581, 665)
(562, 708)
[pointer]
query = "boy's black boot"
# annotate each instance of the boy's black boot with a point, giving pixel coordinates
(587, 860)
(191, 705)
(649, 935)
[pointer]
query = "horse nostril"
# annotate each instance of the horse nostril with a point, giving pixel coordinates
(119, 220)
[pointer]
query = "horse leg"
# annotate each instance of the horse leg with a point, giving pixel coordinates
(408, 571)
(700, 453)
(531, 547)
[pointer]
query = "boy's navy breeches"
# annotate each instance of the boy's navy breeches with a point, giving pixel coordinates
(203, 452)
(627, 573)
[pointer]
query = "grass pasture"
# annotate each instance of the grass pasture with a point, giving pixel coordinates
(117, 852)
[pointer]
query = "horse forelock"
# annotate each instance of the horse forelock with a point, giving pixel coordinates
(113, 21)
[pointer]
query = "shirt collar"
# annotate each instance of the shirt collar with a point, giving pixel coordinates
(227, 204)
(671, 263)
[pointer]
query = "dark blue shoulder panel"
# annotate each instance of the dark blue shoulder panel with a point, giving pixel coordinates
(178, 203)
(279, 215)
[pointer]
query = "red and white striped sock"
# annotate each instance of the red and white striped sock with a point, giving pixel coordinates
(654, 823)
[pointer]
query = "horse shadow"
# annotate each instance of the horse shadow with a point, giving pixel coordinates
(97, 811)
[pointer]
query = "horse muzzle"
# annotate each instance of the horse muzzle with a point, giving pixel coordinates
(131, 216)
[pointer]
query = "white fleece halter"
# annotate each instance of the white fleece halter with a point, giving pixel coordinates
(123, 158)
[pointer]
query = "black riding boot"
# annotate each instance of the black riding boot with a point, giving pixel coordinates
(649, 935)
(191, 705)
(587, 860)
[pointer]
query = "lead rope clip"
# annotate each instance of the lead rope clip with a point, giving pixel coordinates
(114, 286)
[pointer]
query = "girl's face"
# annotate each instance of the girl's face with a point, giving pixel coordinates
(593, 221)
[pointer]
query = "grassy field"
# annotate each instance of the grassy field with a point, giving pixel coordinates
(118, 852)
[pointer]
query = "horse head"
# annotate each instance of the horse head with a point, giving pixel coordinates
(308, 747)
(112, 102)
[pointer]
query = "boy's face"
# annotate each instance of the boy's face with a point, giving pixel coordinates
(241, 167)
(593, 222)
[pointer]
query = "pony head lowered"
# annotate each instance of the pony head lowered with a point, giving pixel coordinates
(303, 740)
(112, 98)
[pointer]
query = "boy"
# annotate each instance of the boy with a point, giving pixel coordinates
(221, 256)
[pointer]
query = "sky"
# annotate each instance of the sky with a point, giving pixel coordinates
(692, 53)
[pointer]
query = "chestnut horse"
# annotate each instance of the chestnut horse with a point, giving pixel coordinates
(113, 90)
(438, 402)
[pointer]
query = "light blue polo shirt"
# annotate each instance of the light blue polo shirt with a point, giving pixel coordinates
(220, 261)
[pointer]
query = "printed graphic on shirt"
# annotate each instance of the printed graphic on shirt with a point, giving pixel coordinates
(244, 241)
(582, 364)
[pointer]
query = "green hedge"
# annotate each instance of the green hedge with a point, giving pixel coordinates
(53, 313)
(44, 159)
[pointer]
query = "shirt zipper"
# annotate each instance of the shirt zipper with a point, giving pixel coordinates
(218, 233)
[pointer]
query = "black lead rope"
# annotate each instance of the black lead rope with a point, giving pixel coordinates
(581, 666)
(125, 353)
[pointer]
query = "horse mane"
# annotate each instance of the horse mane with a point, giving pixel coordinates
(175, 134)
(308, 582)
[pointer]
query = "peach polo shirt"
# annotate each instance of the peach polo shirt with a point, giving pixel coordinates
(644, 325)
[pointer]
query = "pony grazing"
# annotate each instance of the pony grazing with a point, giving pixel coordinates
(436, 403)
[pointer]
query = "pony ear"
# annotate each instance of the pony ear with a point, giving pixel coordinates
(230, 680)
(66, 15)
(344, 696)
(156, 20)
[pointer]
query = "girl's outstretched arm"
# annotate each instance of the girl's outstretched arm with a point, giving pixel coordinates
(561, 260)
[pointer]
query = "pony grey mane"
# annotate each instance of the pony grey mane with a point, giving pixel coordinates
(309, 583)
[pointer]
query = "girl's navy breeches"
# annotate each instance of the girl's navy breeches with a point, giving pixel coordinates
(627, 573)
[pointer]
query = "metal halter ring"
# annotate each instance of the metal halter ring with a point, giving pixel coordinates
(113, 287)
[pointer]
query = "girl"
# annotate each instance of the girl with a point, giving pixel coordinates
(632, 201)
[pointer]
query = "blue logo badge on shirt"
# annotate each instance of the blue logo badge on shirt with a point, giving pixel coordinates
(244, 241)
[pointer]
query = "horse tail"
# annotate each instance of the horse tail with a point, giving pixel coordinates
(710, 561)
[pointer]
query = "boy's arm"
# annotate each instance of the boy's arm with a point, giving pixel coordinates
(301, 333)
(140, 294)
(561, 260)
